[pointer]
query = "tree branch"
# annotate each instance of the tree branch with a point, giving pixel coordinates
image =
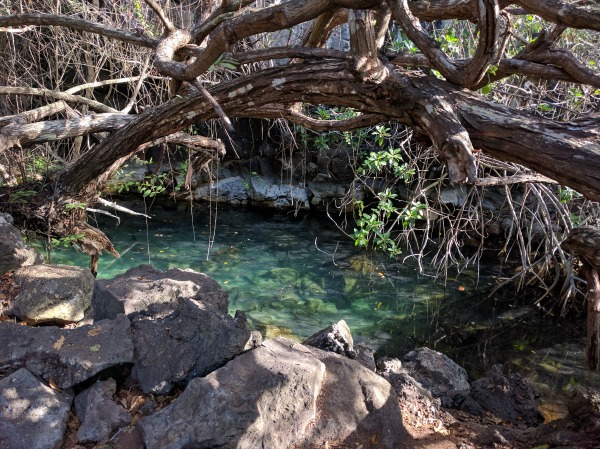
(580, 14)
(20, 135)
(74, 23)
(95, 105)
(295, 115)
(161, 15)
(514, 179)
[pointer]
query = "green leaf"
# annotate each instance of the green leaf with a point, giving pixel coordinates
(228, 65)
(486, 89)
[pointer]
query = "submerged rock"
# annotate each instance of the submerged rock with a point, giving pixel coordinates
(183, 339)
(67, 356)
(99, 414)
(335, 338)
(134, 290)
(52, 294)
(32, 415)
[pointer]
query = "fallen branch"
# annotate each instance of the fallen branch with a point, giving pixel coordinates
(115, 206)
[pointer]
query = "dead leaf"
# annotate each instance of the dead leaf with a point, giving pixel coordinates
(135, 419)
(53, 385)
(95, 331)
(59, 343)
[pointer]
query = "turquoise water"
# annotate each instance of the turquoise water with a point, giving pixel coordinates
(291, 275)
(296, 275)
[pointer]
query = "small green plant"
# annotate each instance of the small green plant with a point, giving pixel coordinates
(152, 185)
(381, 133)
(566, 194)
(322, 142)
(21, 196)
(72, 206)
(377, 223)
(322, 113)
(400, 44)
(224, 64)
(390, 159)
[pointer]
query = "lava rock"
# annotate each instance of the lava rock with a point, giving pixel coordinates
(99, 414)
(134, 290)
(509, 397)
(270, 192)
(57, 294)
(416, 402)
(335, 338)
(232, 191)
(584, 406)
(281, 394)
(262, 398)
(436, 372)
(13, 252)
(365, 356)
(388, 365)
(356, 407)
(32, 415)
(183, 339)
(66, 356)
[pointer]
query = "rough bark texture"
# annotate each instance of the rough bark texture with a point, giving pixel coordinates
(584, 242)
(592, 349)
(451, 118)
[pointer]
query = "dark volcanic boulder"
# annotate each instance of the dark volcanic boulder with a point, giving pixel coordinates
(436, 372)
(584, 406)
(335, 338)
(67, 356)
(356, 407)
(141, 286)
(281, 395)
(32, 415)
(99, 414)
(183, 339)
(417, 403)
(509, 397)
(265, 398)
(52, 294)
(13, 252)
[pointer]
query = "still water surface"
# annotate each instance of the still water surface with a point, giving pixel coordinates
(296, 275)
(293, 275)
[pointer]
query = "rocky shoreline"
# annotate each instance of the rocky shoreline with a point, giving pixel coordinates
(152, 360)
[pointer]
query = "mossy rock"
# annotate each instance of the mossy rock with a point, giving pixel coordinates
(270, 331)
(363, 264)
(315, 305)
(281, 276)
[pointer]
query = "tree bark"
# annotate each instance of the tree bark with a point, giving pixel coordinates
(592, 344)
(567, 152)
